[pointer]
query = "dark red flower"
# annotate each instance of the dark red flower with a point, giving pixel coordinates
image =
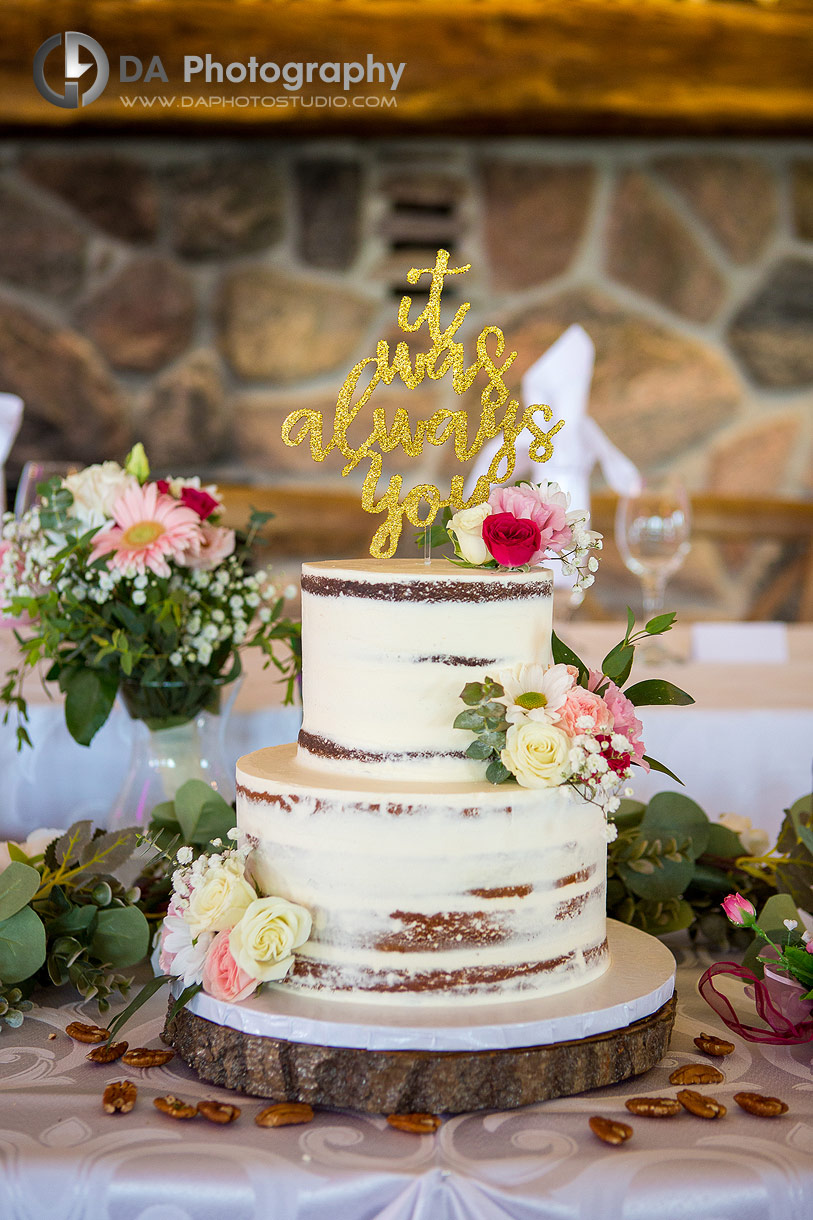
(199, 501)
(163, 486)
(511, 540)
(616, 761)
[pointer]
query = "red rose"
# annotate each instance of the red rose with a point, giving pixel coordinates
(199, 501)
(511, 540)
(163, 486)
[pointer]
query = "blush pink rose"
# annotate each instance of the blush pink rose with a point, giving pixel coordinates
(545, 507)
(222, 977)
(216, 543)
(623, 712)
(581, 702)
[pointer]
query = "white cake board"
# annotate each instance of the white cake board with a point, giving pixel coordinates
(639, 980)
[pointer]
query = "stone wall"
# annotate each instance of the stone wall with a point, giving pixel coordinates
(192, 293)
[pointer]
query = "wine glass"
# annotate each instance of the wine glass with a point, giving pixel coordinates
(34, 473)
(652, 533)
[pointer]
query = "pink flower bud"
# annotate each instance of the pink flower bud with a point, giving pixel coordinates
(809, 946)
(739, 910)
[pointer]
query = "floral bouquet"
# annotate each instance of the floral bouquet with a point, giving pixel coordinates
(220, 935)
(544, 726)
(133, 586)
(517, 528)
(66, 918)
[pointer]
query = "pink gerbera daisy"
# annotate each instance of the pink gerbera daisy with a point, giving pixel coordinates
(149, 529)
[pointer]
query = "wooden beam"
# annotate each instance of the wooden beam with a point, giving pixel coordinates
(472, 66)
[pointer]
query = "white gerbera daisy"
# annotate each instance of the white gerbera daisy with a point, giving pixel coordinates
(534, 692)
(188, 955)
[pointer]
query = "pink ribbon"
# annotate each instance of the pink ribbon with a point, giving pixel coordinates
(781, 1030)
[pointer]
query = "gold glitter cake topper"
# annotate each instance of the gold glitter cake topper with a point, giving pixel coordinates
(445, 354)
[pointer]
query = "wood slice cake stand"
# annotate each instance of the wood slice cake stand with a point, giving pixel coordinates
(379, 1059)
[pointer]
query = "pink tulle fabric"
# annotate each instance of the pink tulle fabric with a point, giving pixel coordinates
(780, 1029)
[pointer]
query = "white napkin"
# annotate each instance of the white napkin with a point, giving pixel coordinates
(561, 378)
(11, 415)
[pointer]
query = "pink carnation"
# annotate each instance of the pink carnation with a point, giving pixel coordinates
(581, 702)
(222, 977)
(623, 713)
(150, 528)
(214, 545)
(546, 508)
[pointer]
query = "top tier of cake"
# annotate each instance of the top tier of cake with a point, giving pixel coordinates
(388, 645)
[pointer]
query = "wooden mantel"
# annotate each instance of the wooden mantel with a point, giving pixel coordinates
(472, 66)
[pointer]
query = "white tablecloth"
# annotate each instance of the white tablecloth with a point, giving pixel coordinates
(746, 746)
(63, 1158)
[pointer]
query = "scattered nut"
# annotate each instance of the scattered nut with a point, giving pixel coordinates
(697, 1073)
(765, 1107)
(108, 1053)
(710, 1044)
(218, 1111)
(609, 1130)
(51, 1037)
(174, 1107)
(86, 1033)
(146, 1057)
(284, 1114)
(653, 1107)
(417, 1124)
(700, 1104)
(119, 1097)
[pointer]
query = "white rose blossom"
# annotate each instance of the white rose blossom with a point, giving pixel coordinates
(466, 530)
(219, 900)
(96, 489)
(537, 754)
(263, 942)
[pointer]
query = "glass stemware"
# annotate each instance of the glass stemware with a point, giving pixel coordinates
(35, 473)
(652, 534)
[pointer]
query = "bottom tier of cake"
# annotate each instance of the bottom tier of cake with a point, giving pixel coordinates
(450, 893)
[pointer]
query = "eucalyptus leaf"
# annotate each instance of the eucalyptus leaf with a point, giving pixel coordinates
(669, 881)
(672, 814)
(18, 885)
(479, 750)
(202, 814)
(724, 842)
(22, 946)
(472, 693)
(628, 813)
(497, 773)
(76, 921)
(122, 937)
(163, 817)
(470, 719)
(89, 696)
(657, 692)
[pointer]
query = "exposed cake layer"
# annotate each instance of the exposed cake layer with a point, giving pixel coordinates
(450, 892)
(387, 647)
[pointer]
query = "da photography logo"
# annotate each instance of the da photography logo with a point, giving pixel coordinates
(74, 45)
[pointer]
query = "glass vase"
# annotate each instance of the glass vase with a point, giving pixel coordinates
(177, 733)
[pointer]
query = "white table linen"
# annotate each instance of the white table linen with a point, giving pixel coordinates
(63, 1158)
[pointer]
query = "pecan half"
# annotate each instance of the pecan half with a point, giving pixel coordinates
(697, 1073)
(710, 1044)
(765, 1107)
(119, 1097)
(146, 1057)
(218, 1111)
(700, 1104)
(86, 1033)
(284, 1114)
(417, 1124)
(174, 1107)
(609, 1130)
(108, 1053)
(653, 1107)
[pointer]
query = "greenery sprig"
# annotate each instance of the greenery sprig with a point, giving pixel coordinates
(486, 719)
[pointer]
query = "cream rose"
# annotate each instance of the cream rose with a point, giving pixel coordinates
(34, 845)
(96, 489)
(537, 754)
(467, 529)
(220, 899)
(262, 943)
(755, 840)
